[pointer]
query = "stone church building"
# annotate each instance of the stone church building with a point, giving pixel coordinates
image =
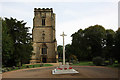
(43, 34)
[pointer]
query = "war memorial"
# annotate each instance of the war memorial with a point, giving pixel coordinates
(45, 51)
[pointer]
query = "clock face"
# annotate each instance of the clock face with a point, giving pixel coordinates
(43, 14)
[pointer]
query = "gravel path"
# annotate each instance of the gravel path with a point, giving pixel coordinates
(45, 72)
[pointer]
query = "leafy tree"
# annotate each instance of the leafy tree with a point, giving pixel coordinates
(68, 51)
(109, 44)
(95, 36)
(79, 45)
(88, 43)
(21, 41)
(60, 51)
(117, 45)
(7, 45)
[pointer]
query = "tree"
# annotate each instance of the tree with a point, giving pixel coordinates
(21, 41)
(7, 45)
(88, 43)
(79, 45)
(60, 51)
(68, 51)
(109, 44)
(117, 46)
(95, 36)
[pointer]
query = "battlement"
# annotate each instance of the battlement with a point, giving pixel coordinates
(43, 10)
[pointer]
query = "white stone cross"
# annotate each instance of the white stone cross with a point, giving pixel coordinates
(63, 48)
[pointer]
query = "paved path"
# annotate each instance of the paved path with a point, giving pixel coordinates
(45, 72)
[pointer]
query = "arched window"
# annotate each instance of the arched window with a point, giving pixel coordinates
(44, 50)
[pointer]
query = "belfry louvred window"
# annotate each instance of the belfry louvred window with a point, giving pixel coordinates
(43, 22)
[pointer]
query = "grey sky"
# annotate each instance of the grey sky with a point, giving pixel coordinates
(70, 16)
(119, 14)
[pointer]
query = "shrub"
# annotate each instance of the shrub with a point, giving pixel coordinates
(33, 66)
(74, 61)
(13, 67)
(27, 66)
(98, 61)
(111, 61)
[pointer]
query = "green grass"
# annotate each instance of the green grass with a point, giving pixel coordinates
(30, 66)
(113, 66)
(90, 63)
(36, 65)
(109, 61)
(47, 65)
(85, 63)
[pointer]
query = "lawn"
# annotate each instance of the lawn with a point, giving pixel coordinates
(25, 66)
(85, 63)
(90, 63)
(113, 66)
(36, 65)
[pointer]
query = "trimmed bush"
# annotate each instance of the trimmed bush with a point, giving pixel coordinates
(98, 61)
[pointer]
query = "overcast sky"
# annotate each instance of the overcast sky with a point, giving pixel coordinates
(71, 15)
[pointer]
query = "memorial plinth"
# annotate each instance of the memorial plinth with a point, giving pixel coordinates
(64, 69)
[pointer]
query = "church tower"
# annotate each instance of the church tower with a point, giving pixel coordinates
(43, 34)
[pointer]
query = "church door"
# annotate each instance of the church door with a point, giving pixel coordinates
(44, 60)
(44, 53)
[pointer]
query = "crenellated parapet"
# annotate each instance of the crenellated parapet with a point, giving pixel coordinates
(43, 10)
